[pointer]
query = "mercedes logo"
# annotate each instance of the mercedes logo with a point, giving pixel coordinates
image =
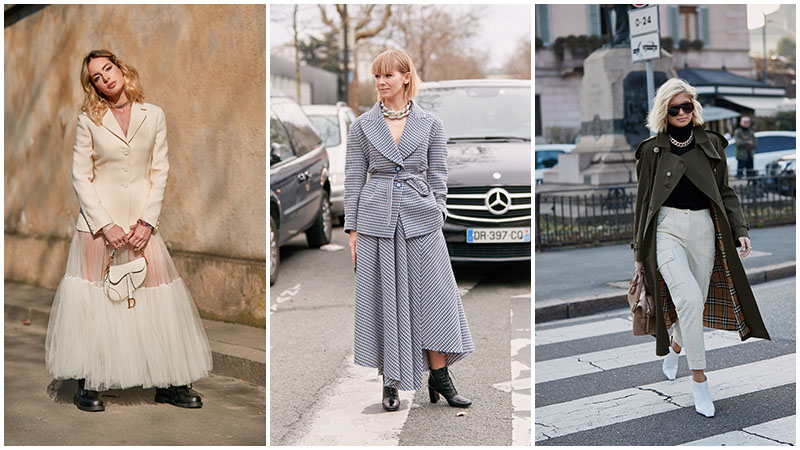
(498, 201)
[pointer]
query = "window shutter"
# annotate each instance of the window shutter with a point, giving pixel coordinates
(543, 23)
(672, 15)
(593, 19)
(705, 29)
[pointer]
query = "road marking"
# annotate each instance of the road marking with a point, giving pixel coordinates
(520, 384)
(615, 407)
(585, 330)
(614, 358)
(775, 432)
(353, 415)
(288, 294)
(465, 286)
(331, 248)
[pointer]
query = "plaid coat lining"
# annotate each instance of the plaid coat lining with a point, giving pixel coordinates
(722, 309)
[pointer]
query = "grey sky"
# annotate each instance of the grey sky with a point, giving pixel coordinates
(502, 27)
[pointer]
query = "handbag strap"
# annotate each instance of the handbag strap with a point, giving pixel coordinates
(111, 259)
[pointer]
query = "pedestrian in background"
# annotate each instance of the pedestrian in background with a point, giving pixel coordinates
(745, 148)
(119, 172)
(687, 222)
(408, 312)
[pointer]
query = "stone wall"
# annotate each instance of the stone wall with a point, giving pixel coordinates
(205, 65)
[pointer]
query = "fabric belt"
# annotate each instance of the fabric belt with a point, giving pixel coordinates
(412, 179)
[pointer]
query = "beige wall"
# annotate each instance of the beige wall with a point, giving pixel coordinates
(206, 67)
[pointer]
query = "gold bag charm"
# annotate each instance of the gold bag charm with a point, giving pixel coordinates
(129, 303)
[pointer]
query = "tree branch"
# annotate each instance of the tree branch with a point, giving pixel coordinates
(373, 31)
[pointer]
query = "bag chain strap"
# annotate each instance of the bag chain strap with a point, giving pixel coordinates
(108, 267)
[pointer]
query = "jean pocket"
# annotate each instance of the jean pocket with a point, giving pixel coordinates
(663, 256)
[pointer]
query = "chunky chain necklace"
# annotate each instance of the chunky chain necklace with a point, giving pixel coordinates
(396, 114)
(681, 144)
(122, 105)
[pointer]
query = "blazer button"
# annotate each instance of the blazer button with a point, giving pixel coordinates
(124, 185)
(669, 174)
(124, 169)
(126, 153)
(397, 168)
(655, 149)
(398, 184)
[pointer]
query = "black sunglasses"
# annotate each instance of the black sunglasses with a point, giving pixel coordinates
(676, 109)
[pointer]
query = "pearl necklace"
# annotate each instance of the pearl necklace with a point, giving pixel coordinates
(684, 143)
(396, 114)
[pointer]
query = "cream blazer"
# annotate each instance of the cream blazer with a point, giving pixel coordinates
(120, 178)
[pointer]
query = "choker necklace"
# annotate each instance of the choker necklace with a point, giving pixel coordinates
(396, 114)
(121, 106)
(681, 144)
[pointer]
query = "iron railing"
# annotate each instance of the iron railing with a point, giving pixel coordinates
(587, 216)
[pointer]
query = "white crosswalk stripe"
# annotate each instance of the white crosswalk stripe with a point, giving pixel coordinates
(615, 409)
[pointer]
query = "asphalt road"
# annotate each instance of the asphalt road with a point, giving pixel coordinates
(39, 410)
(318, 396)
(596, 387)
(571, 273)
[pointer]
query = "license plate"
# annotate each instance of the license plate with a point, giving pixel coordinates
(497, 235)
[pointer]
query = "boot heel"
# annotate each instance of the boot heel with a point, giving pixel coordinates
(434, 395)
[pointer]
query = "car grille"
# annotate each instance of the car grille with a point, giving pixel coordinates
(507, 250)
(468, 205)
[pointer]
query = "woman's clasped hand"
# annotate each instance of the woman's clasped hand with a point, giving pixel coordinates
(138, 236)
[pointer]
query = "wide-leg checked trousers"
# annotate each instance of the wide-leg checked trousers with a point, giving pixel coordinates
(685, 257)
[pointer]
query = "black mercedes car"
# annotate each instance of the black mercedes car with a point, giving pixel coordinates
(488, 126)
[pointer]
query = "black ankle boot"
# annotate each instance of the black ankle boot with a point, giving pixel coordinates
(87, 400)
(439, 382)
(182, 396)
(391, 400)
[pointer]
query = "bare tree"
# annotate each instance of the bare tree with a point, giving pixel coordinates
(296, 52)
(519, 64)
(438, 40)
(364, 29)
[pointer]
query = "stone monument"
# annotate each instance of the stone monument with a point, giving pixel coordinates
(613, 117)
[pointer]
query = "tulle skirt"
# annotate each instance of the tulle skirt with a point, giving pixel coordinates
(159, 342)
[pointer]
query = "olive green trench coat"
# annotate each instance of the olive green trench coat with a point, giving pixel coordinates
(730, 304)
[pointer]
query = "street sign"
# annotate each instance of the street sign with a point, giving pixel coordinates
(645, 46)
(645, 33)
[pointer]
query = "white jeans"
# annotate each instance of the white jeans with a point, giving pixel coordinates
(685, 256)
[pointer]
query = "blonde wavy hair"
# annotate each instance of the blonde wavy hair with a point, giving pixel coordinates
(657, 118)
(397, 60)
(94, 102)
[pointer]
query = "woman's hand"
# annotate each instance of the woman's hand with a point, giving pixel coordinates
(115, 236)
(745, 248)
(638, 267)
(353, 239)
(139, 236)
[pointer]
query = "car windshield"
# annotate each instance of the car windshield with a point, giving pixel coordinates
(480, 112)
(328, 128)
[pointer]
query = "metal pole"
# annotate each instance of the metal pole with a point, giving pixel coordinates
(345, 23)
(764, 44)
(650, 87)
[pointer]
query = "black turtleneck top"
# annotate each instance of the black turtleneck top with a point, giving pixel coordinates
(685, 195)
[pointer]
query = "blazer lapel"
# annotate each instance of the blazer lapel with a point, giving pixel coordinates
(378, 134)
(110, 123)
(138, 115)
(416, 129)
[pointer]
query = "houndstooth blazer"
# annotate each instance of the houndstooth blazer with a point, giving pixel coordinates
(385, 182)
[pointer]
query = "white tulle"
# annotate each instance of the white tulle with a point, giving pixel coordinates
(159, 342)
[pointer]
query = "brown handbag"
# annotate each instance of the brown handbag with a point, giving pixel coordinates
(642, 306)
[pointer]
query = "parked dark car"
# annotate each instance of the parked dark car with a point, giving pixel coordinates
(488, 126)
(299, 189)
(781, 175)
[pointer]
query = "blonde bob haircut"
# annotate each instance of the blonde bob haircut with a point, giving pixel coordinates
(397, 60)
(95, 103)
(657, 118)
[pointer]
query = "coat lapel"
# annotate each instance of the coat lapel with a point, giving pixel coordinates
(701, 139)
(110, 123)
(138, 115)
(378, 134)
(417, 128)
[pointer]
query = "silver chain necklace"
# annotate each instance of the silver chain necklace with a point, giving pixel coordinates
(388, 113)
(684, 143)
(121, 106)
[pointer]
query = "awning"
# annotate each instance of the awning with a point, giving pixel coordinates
(763, 106)
(712, 113)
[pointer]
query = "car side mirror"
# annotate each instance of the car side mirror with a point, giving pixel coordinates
(275, 153)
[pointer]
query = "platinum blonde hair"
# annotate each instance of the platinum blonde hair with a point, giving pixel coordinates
(657, 118)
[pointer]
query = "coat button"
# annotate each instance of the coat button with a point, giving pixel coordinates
(397, 168)
(669, 174)
(398, 184)
(124, 185)
(126, 153)
(124, 169)
(655, 149)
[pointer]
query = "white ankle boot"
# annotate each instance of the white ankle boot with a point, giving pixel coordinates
(670, 364)
(702, 398)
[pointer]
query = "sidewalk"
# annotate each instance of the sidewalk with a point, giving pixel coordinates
(238, 351)
(577, 282)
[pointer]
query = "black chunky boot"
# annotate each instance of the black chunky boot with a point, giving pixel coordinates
(391, 400)
(87, 400)
(439, 382)
(182, 396)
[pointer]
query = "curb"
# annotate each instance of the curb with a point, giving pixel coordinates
(229, 360)
(557, 309)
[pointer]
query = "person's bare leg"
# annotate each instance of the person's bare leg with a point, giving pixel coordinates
(436, 359)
